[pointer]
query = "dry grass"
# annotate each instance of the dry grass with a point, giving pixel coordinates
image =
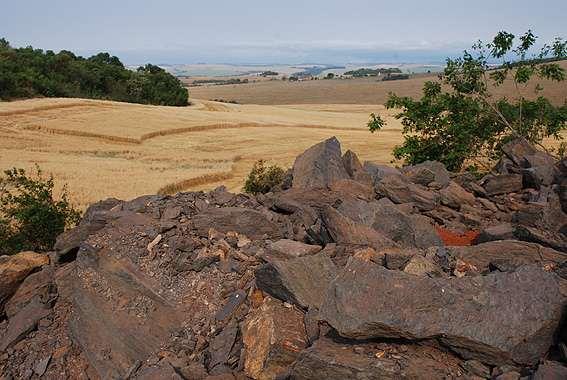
(104, 149)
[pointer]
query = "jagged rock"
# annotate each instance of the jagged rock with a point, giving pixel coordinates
(352, 163)
(427, 172)
(406, 230)
(351, 188)
(477, 317)
(503, 231)
(251, 223)
(163, 371)
(514, 253)
(396, 259)
(400, 190)
(550, 371)
(476, 368)
(563, 195)
(517, 150)
(290, 248)
(502, 184)
(94, 219)
(24, 322)
(379, 172)
(337, 361)
(273, 336)
(455, 196)
(221, 345)
(13, 271)
(534, 235)
(40, 284)
(302, 281)
(319, 166)
(541, 166)
(345, 231)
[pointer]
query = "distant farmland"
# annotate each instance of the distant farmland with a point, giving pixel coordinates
(339, 91)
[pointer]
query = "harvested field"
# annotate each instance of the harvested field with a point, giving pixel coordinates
(109, 149)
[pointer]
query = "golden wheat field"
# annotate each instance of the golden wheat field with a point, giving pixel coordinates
(107, 149)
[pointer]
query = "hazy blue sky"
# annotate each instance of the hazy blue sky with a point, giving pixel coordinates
(290, 31)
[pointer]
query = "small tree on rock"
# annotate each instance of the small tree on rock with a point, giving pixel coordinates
(459, 119)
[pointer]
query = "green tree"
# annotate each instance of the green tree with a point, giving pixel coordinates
(28, 72)
(459, 120)
(30, 216)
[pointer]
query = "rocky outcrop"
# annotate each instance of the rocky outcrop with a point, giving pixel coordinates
(355, 271)
(319, 166)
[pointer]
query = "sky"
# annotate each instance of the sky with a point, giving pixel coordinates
(268, 32)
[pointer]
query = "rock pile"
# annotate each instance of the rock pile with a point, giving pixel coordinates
(348, 271)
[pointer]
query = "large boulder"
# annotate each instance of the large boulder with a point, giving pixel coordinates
(273, 337)
(14, 270)
(302, 281)
(498, 318)
(378, 172)
(331, 360)
(319, 166)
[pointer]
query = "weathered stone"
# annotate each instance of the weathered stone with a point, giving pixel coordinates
(400, 190)
(427, 172)
(421, 266)
(319, 166)
(13, 271)
(406, 230)
(455, 196)
(378, 172)
(39, 284)
(477, 317)
(503, 231)
(303, 280)
(163, 371)
(550, 371)
(221, 345)
(273, 336)
(517, 150)
(352, 188)
(251, 223)
(94, 219)
(234, 301)
(291, 248)
(345, 231)
(396, 259)
(476, 368)
(337, 361)
(354, 168)
(24, 322)
(502, 184)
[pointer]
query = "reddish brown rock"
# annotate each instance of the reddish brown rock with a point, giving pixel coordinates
(13, 271)
(273, 336)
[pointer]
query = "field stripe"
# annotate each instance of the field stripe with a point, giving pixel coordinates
(177, 131)
(204, 179)
(53, 107)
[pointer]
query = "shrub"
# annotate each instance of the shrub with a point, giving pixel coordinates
(30, 217)
(459, 120)
(262, 179)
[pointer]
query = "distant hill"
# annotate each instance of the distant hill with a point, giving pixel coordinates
(364, 72)
(28, 73)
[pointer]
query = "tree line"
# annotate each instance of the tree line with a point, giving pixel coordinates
(28, 72)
